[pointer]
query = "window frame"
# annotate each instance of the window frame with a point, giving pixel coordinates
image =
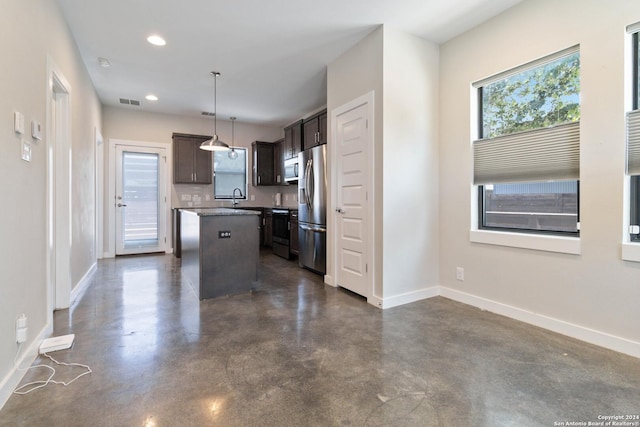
(482, 226)
(634, 181)
(246, 176)
(636, 71)
(480, 135)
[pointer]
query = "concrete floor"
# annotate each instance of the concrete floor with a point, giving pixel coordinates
(299, 353)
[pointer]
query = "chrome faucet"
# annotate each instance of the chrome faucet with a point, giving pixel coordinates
(233, 196)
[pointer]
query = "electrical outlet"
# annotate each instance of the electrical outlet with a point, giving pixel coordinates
(460, 273)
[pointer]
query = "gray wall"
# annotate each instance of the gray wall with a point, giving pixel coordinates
(595, 294)
(128, 124)
(37, 30)
(402, 71)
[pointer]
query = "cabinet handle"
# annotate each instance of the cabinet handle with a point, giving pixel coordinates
(258, 179)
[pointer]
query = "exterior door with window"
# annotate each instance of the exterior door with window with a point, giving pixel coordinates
(140, 200)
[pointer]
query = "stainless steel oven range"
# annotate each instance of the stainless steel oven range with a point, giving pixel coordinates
(281, 232)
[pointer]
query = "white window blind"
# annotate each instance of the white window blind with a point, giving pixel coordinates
(633, 142)
(537, 155)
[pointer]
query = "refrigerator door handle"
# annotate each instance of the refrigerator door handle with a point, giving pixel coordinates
(307, 180)
(316, 228)
(310, 184)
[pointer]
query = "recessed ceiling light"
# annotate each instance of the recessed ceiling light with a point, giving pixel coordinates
(104, 62)
(156, 40)
(151, 97)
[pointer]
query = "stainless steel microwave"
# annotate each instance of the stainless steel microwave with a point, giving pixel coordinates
(291, 170)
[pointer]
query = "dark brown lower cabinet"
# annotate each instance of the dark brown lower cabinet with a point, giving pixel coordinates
(293, 233)
(268, 228)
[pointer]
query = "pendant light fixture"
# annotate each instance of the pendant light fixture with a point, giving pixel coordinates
(233, 154)
(214, 144)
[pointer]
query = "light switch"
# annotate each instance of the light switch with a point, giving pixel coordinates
(18, 122)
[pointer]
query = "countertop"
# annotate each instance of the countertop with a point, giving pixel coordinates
(220, 211)
(241, 207)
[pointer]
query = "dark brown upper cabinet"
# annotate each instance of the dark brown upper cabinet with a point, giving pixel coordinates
(315, 130)
(278, 161)
(292, 140)
(263, 168)
(191, 165)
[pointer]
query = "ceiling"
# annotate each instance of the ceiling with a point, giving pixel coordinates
(272, 55)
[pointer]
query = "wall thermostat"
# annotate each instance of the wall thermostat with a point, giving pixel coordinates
(36, 132)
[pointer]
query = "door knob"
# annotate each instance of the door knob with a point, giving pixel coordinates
(339, 210)
(120, 205)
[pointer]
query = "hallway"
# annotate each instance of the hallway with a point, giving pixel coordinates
(299, 353)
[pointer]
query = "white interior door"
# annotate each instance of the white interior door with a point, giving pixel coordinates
(351, 141)
(140, 200)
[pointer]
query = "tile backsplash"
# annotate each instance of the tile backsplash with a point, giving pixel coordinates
(201, 196)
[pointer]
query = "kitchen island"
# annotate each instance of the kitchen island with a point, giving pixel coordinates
(220, 250)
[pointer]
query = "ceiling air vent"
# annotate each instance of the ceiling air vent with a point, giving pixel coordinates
(207, 113)
(129, 102)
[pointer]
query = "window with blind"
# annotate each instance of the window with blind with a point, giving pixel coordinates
(527, 157)
(229, 174)
(633, 142)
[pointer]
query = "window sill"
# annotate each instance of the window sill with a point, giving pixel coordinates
(560, 244)
(631, 251)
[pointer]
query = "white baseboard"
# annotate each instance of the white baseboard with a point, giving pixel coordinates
(82, 285)
(329, 280)
(15, 375)
(582, 333)
(406, 298)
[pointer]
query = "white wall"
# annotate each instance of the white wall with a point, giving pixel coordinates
(593, 295)
(35, 29)
(402, 71)
(410, 168)
(129, 124)
(356, 73)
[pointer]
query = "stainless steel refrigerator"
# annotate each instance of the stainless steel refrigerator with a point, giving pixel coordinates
(312, 209)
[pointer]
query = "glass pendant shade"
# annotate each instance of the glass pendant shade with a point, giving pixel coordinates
(233, 154)
(214, 144)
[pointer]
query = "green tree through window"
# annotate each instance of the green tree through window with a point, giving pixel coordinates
(540, 97)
